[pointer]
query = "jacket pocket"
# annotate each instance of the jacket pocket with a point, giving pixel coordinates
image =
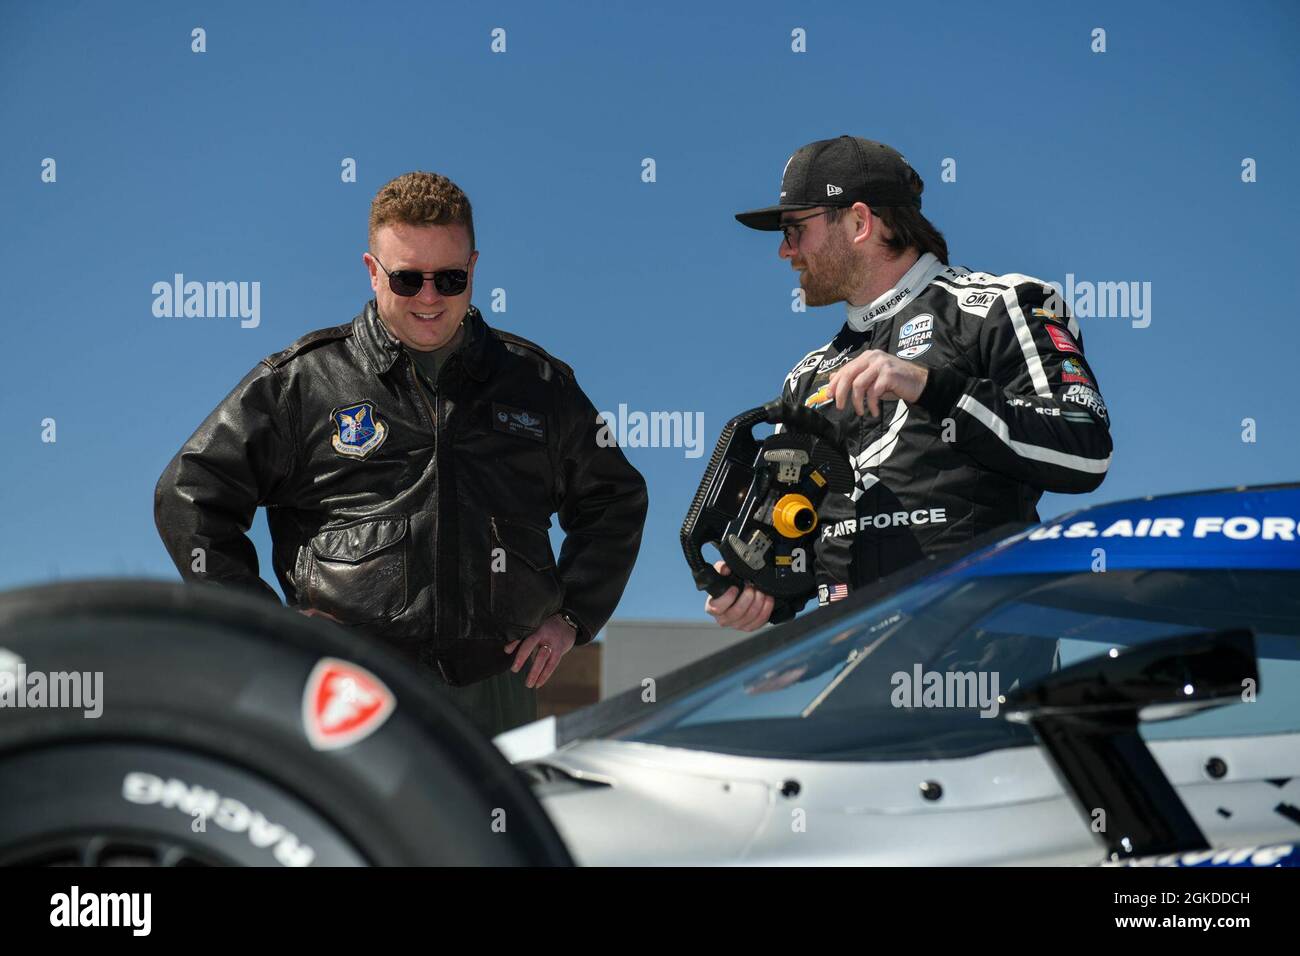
(358, 570)
(524, 585)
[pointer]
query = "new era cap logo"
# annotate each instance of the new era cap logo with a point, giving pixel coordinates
(833, 190)
(343, 703)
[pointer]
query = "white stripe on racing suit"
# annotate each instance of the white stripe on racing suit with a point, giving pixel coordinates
(1011, 409)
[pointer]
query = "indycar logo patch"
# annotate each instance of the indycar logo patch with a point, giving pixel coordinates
(343, 703)
(1062, 339)
(1072, 371)
(914, 337)
(357, 430)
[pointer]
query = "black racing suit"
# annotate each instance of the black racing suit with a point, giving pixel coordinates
(421, 519)
(1011, 409)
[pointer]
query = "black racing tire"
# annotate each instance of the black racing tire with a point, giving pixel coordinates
(201, 753)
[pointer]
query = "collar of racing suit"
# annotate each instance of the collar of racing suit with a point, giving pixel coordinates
(382, 349)
(923, 271)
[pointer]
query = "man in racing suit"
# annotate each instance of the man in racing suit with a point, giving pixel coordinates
(960, 396)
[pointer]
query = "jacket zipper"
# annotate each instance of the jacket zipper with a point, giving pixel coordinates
(437, 485)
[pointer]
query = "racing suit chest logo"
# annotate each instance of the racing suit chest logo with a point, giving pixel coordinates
(915, 337)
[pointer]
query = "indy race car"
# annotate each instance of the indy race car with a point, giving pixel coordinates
(1120, 684)
(1117, 685)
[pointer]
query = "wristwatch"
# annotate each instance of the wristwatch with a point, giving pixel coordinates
(572, 621)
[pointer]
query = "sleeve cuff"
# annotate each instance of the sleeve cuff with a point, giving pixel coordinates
(583, 636)
(943, 387)
(785, 610)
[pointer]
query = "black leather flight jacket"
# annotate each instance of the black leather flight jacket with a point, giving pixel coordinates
(419, 519)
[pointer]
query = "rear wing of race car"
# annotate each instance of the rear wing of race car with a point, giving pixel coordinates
(1086, 717)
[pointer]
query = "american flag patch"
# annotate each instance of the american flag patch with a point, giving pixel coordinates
(835, 592)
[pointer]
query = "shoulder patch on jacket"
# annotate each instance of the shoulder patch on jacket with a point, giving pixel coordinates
(308, 341)
(520, 346)
(1041, 301)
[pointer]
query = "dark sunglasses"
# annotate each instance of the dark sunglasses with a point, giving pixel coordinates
(409, 282)
(792, 228)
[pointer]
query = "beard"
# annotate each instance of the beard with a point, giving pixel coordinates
(829, 278)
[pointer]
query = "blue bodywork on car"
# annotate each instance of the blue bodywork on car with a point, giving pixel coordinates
(1240, 528)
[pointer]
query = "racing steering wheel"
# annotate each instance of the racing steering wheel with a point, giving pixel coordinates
(758, 503)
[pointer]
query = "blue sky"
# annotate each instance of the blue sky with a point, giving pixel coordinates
(1122, 166)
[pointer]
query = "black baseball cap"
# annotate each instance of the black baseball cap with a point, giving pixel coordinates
(838, 172)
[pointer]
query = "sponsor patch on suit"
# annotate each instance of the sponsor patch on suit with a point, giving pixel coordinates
(1072, 371)
(914, 337)
(820, 397)
(1062, 339)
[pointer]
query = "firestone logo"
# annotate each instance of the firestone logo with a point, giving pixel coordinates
(343, 703)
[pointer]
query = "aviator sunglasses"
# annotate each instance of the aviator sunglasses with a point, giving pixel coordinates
(409, 282)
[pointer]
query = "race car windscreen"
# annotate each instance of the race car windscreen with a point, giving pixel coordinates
(919, 674)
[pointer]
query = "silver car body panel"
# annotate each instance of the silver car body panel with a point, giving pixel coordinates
(647, 804)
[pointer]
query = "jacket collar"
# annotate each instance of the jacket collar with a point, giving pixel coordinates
(478, 351)
(382, 350)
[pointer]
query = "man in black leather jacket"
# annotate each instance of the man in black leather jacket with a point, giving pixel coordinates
(410, 462)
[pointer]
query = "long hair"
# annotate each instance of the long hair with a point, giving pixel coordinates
(906, 226)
